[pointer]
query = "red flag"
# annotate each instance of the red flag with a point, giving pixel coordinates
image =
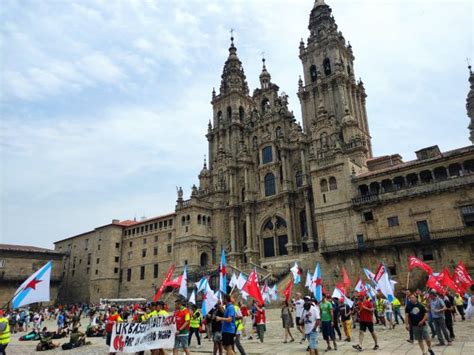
(445, 279)
(166, 280)
(252, 287)
(287, 291)
(341, 288)
(461, 276)
(415, 262)
(345, 278)
(434, 284)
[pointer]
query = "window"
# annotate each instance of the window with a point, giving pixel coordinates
(282, 241)
(144, 240)
(155, 271)
(129, 275)
(229, 113)
(96, 272)
(241, 114)
(117, 259)
(155, 251)
(268, 247)
(97, 261)
(142, 272)
(133, 231)
(423, 230)
(468, 215)
(303, 224)
(299, 179)
(115, 270)
(151, 226)
(392, 221)
(146, 228)
(327, 66)
(88, 259)
(169, 249)
(156, 238)
(199, 219)
(313, 72)
(117, 245)
(130, 254)
(130, 244)
(143, 253)
(324, 185)
(98, 247)
(141, 229)
(183, 221)
(267, 155)
(170, 222)
(360, 240)
(73, 271)
(428, 255)
(169, 236)
(161, 224)
(265, 105)
(87, 244)
(368, 216)
(156, 225)
(332, 183)
(269, 184)
(165, 224)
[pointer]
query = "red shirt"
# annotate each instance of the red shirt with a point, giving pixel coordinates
(365, 315)
(245, 311)
(260, 316)
(182, 316)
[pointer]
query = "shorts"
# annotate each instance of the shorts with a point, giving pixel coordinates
(388, 316)
(228, 339)
(181, 341)
(420, 332)
(298, 321)
(328, 330)
(108, 338)
(217, 337)
(367, 325)
(312, 339)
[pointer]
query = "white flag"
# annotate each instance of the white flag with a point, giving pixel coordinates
(183, 288)
(241, 280)
(192, 298)
(35, 288)
(209, 300)
(309, 281)
(233, 281)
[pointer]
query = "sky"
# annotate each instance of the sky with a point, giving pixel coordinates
(104, 104)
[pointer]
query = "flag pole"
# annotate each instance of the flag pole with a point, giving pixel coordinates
(408, 279)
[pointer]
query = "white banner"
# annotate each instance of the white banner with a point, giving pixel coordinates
(156, 333)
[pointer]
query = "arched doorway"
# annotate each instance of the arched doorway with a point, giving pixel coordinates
(204, 259)
(274, 235)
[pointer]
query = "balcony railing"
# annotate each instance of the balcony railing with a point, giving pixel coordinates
(387, 241)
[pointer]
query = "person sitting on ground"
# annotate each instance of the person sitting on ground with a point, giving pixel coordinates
(45, 341)
(77, 338)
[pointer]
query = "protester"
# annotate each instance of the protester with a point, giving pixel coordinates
(417, 316)
(327, 320)
(195, 325)
(396, 310)
(228, 325)
(310, 320)
(113, 318)
(389, 313)
(287, 320)
(437, 308)
(216, 326)
(448, 315)
(260, 320)
(299, 304)
(182, 318)
(335, 310)
(239, 327)
(366, 315)
(345, 313)
(245, 314)
(4, 333)
(459, 303)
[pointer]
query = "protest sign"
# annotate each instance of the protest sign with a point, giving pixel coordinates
(155, 333)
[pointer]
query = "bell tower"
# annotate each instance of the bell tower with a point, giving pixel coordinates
(332, 101)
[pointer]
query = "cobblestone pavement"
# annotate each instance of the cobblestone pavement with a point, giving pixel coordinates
(390, 341)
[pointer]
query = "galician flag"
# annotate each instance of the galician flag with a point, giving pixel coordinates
(183, 287)
(209, 300)
(192, 298)
(309, 281)
(35, 288)
(203, 285)
(296, 271)
(223, 274)
(241, 280)
(317, 283)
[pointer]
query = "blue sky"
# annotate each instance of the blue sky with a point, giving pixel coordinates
(105, 104)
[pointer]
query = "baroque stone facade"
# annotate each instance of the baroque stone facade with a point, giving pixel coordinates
(274, 191)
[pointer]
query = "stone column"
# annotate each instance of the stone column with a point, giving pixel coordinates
(291, 245)
(309, 221)
(303, 167)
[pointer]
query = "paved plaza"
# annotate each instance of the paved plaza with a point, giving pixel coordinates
(391, 342)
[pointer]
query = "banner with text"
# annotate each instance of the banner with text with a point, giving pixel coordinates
(155, 333)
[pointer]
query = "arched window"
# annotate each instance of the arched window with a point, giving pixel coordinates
(374, 188)
(241, 114)
(229, 113)
(267, 155)
(188, 219)
(183, 221)
(199, 219)
(268, 225)
(387, 185)
(469, 166)
(280, 223)
(204, 220)
(204, 259)
(327, 66)
(265, 105)
(255, 143)
(426, 177)
(303, 224)
(364, 189)
(332, 183)
(209, 220)
(412, 179)
(278, 132)
(313, 72)
(269, 184)
(219, 116)
(299, 179)
(324, 185)
(398, 182)
(242, 194)
(348, 70)
(440, 173)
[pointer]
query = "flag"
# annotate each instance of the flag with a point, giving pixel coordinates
(370, 291)
(175, 283)
(296, 271)
(345, 278)
(317, 285)
(445, 279)
(415, 262)
(223, 274)
(273, 293)
(233, 281)
(434, 284)
(461, 276)
(183, 287)
(192, 298)
(337, 293)
(241, 280)
(203, 285)
(265, 292)
(370, 275)
(288, 289)
(360, 286)
(383, 282)
(252, 289)
(35, 288)
(209, 300)
(163, 286)
(244, 295)
(309, 281)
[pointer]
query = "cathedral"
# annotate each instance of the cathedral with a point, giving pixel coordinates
(274, 191)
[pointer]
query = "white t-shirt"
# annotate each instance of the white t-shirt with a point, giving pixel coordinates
(388, 306)
(309, 318)
(299, 307)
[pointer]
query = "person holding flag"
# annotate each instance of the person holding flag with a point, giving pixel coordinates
(223, 274)
(366, 316)
(4, 332)
(228, 326)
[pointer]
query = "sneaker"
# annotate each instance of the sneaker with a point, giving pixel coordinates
(357, 347)
(335, 347)
(376, 347)
(198, 346)
(410, 341)
(431, 352)
(328, 348)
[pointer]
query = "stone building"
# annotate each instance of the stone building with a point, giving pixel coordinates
(274, 191)
(18, 262)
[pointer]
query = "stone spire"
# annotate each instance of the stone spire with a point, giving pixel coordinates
(233, 77)
(265, 77)
(470, 105)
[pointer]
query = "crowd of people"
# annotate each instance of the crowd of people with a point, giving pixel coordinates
(427, 315)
